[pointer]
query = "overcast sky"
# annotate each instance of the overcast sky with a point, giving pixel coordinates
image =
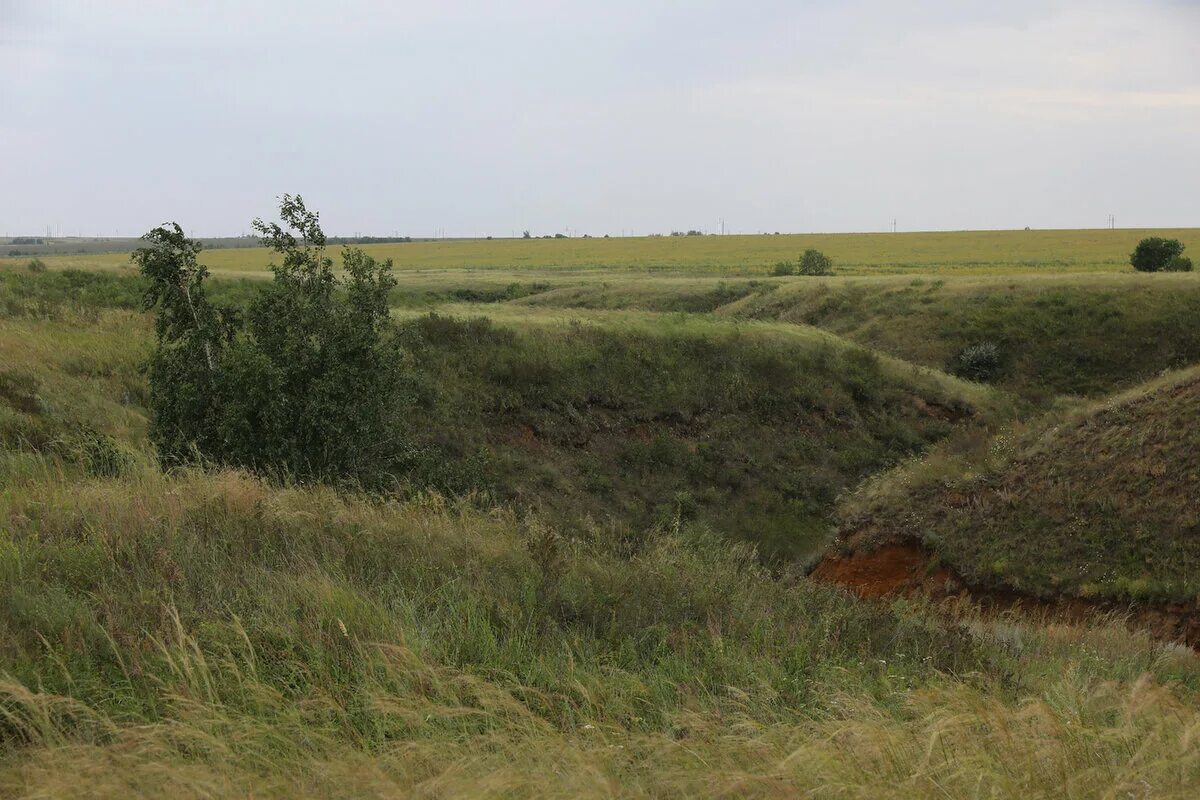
(478, 118)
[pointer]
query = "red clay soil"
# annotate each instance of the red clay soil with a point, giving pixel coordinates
(905, 569)
(892, 569)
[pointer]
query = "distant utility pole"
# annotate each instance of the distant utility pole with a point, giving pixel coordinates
(893, 225)
(1112, 222)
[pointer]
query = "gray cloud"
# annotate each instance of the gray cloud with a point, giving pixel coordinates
(484, 117)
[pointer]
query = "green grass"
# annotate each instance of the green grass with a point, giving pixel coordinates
(634, 420)
(207, 634)
(972, 252)
(593, 621)
(1092, 502)
(1079, 335)
(595, 419)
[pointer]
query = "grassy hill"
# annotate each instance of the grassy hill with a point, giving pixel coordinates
(1053, 334)
(615, 419)
(1096, 503)
(1082, 335)
(636, 421)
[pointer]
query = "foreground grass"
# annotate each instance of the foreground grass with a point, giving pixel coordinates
(970, 252)
(209, 635)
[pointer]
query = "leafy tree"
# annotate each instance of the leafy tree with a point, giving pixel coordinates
(526, 235)
(814, 262)
(305, 385)
(1156, 254)
(190, 333)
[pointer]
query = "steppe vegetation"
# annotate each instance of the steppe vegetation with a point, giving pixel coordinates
(586, 572)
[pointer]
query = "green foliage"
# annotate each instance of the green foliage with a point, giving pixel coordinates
(814, 262)
(303, 384)
(978, 362)
(1156, 254)
(98, 454)
(36, 265)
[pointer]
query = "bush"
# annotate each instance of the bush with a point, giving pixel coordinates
(814, 262)
(784, 268)
(36, 265)
(304, 385)
(1155, 254)
(96, 452)
(979, 362)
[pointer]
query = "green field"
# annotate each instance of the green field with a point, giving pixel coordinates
(591, 577)
(971, 252)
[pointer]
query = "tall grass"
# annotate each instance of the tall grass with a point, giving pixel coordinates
(208, 635)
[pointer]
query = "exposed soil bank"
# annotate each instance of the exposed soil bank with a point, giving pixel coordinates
(907, 568)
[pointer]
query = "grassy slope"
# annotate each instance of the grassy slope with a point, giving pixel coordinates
(1063, 335)
(628, 419)
(1057, 334)
(641, 421)
(976, 252)
(1099, 502)
(208, 635)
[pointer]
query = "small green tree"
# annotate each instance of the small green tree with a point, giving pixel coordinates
(191, 333)
(305, 385)
(814, 262)
(1156, 254)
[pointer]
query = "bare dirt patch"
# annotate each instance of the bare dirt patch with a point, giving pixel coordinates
(908, 569)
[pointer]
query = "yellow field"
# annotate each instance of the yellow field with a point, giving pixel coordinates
(974, 252)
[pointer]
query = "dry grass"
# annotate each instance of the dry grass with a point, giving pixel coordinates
(1078, 740)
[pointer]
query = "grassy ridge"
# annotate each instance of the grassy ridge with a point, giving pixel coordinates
(620, 419)
(1098, 502)
(1055, 335)
(975, 252)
